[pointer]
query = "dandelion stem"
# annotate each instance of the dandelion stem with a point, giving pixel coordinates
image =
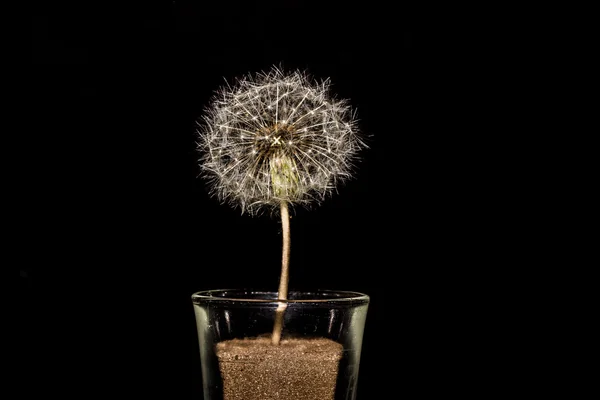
(282, 294)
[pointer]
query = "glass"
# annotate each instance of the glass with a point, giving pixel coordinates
(317, 358)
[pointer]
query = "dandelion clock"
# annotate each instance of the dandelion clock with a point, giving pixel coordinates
(270, 141)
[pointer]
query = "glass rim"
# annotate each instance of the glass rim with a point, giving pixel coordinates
(317, 296)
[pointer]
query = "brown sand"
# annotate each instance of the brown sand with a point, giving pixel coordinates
(296, 369)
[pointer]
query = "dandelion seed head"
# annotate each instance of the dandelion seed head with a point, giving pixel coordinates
(274, 137)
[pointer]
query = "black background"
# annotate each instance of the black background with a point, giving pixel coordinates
(124, 231)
